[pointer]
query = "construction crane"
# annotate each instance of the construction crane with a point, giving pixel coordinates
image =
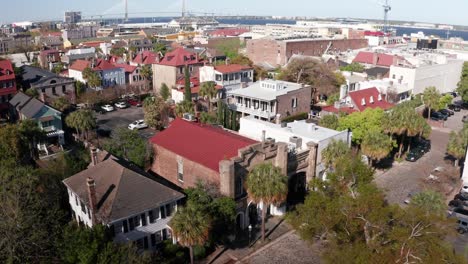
(387, 9)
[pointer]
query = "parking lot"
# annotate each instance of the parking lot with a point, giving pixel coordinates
(110, 121)
(407, 177)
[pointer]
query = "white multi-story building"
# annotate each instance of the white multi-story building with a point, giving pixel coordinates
(114, 193)
(230, 77)
(110, 75)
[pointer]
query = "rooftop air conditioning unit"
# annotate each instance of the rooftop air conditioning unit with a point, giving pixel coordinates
(270, 141)
(189, 117)
(296, 141)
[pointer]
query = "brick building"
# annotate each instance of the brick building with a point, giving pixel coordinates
(7, 85)
(215, 156)
(275, 52)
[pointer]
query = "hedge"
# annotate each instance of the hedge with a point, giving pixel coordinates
(301, 116)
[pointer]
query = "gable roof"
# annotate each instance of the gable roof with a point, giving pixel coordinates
(126, 67)
(33, 75)
(122, 189)
(28, 106)
(146, 57)
(6, 67)
(230, 68)
(385, 60)
(101, 65)
(370, 98)
(180, 57)
(203, 144)
(79, 65)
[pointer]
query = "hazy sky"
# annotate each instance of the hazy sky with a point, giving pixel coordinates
(447, 11)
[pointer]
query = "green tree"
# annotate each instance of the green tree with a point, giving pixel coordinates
(92, 77)
(147, 73)
(208, 91)
(82, 121)
(160, 48)
(266, 185)
(61, 104)
(58, 68)
(32, 92)
(156, 112)
(80, 88)
(431, 99)
(241, 60)
(119, 52)
(362, 122)
(184, 107)
(164, 91)
(353, 67)
(329, 121)
(333, 98)
(377, 145)
(187, 86)
(430, 201)
(30, 132)
(191, 227)
(208, 118)
(129, 145)
(456, 147)
(463, 83)
(334, 150)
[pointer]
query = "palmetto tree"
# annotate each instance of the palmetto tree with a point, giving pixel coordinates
(431, 98)
(190, 227)
(266, 185)
(82, 121)
(456, 146)
(208, 91)
(334, 150)
(147, 73)
(377, 145)
(397, 122)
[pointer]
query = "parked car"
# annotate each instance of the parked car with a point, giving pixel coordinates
(423, 144)
(121, 105)
(462, 226)
(437, 116)
(454, 107)
(139, 124)
(465, 119)
(99, 110)
(414, 154)
(447, 112)
(107, 108)
(134, 102)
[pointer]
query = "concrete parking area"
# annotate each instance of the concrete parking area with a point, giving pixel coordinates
(408, 177)
(119, 118)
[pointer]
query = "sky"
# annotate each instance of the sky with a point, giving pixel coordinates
(446, 12)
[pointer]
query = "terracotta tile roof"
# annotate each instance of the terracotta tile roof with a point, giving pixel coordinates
(232, 68)
(180, 57)
(122, 189)
(228, 32)
(369, 98)
(203, 144)
(94, 44)
(6, 70)
(126, 67)
(385, 60)
(79, 65)
(146, 57)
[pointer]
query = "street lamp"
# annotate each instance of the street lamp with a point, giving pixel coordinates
(250, 231)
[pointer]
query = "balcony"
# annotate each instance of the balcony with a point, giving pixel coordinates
(142, 231)
(251, 111)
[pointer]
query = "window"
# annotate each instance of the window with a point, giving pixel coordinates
(53, 90)
(181, 70)
(139, 243)
(180, 169)
(143, 219)
(76, 200)
(169, 210)
(294, 103)
(145, 242)
(239, 187)
(136, 220)
(131, 224)
(83, 208)
(153, 240)
(125, 226)
(163, 212)
(63, 89)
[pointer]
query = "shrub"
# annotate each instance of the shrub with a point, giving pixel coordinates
(300, 116)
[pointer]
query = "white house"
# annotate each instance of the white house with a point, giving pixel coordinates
(297, 135)
(111, 75)
(121, 196)
(230, 77)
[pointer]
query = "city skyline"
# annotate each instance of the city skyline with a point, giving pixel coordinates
(366, 9)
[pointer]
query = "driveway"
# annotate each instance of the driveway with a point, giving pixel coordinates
(121, 118)
(406, 177)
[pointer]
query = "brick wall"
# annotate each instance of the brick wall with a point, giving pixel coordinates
(303, 102)
(266, 50)
(165, 165)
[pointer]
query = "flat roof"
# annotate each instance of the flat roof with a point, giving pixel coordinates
(266, 90)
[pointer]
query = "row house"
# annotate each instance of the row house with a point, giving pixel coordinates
(230, 77)
(373, 59)
(48, 59)
(7, 85)
(269, 99)
(78, 54)
(51, 40)
(110, 74)
(140, 45)
(171, 67)
(145, 58)
(178, 91)
(49, 86)
(359, 101)
(126, 199)
(133, 76)
(11, 43)
(216, 157)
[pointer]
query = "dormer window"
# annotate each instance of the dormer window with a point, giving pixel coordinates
(371, 100)
(380, 97)
(363, 101)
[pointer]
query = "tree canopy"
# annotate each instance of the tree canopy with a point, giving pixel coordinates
(156, 112)
(362, 122)
(463, 84)
(128, 144)
(353, 67)
(431, 99)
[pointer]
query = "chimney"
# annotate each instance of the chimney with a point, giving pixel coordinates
(94, 158)
(92, 198)
(263, 136)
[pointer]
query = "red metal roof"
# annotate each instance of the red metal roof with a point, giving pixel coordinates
(229, 32)
(196, 85)
(369, 98)
(146, 57)
(374, 33)
(368, 58)
(232, 68)
(203, 144)
(180, 57)
(333, 109)
(6, 71)
(79, 65)
(126, 67)
(101, 65)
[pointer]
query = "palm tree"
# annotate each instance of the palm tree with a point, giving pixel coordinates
(376, 145)
(334, 150)
(184, 107)
(431, 98)
(190, 227)
(456, 146)
(266, 185)
(208, 91)
(430, 201)
(82, 121)
(396, 123)
(147, 73)
(31, 133)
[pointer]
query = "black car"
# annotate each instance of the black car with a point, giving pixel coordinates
(447, 112)
(454, 107)
(437, 116)
(423, 144)
(98, 109)
(414, 154)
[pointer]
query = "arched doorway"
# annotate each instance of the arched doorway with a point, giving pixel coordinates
(297, 188)
(253, 214)
(240, 221)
